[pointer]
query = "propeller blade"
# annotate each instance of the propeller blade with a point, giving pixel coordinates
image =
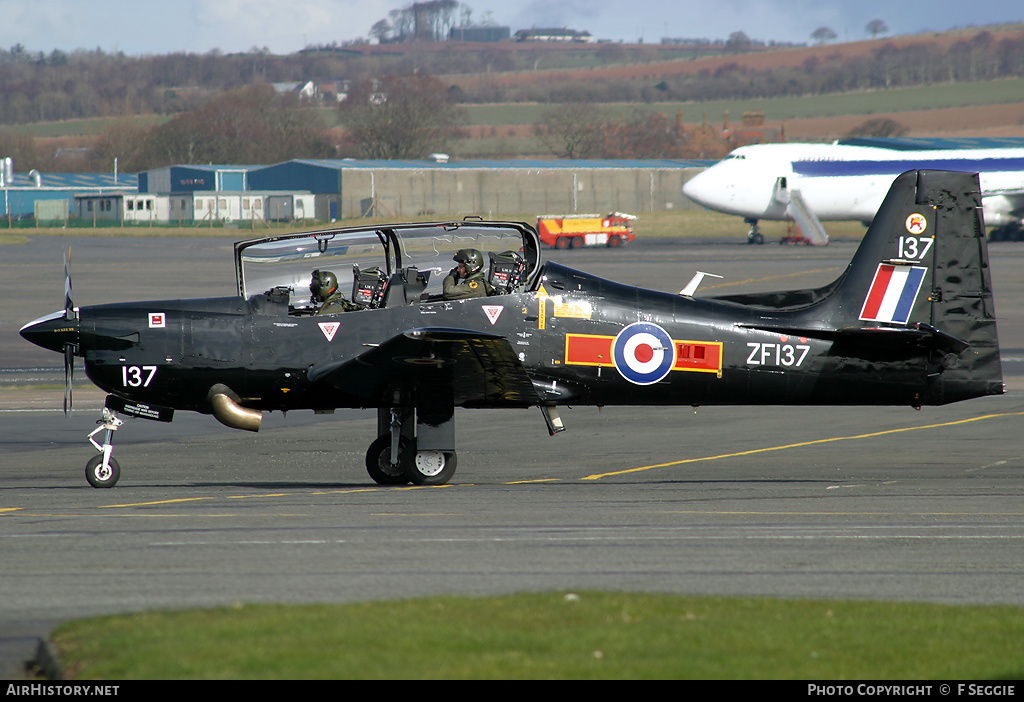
(69, 376)
(69, 306)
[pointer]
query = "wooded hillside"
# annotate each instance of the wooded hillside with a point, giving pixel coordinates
(37, 88)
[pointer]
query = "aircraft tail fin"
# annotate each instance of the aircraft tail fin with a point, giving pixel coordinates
(921, 276)
(918, 285)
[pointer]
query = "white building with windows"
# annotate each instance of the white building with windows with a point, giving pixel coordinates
(195, 208)
(121, 207)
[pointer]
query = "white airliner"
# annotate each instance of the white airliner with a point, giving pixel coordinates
(808, 183)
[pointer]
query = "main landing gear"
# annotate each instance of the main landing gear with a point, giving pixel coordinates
(409, 450)
(754, 236)
(103, 471)
(413, 446)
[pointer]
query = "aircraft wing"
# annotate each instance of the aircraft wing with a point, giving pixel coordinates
(482, 370)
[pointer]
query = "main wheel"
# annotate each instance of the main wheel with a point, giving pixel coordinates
(577, 242)
(100, 477)
(378, 461)
(430, 467)
(562, 242)
(614, 241)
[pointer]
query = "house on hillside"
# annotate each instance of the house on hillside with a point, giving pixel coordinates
(555, 34)
(307, 91)
(336, 91)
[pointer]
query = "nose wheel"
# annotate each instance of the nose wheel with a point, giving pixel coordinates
(102, 474)
(103, 471)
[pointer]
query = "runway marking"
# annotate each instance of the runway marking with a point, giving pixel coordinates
(10, 509)
(767, 449)
(734, 513)
(159, 502)
(992, 465)
(269, 494)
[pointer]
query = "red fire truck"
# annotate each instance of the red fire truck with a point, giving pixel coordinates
(579, 230)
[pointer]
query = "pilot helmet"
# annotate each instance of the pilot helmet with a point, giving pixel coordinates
(473, 259)
(324, 284)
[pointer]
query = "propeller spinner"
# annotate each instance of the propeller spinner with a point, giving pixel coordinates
(59, 332)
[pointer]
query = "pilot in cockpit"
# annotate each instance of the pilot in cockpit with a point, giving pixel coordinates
(467, 278)
(324, 287)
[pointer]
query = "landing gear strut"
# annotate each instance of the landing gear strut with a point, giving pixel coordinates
(379, 463)
(408, 450)
(754, 236)
(103, 471)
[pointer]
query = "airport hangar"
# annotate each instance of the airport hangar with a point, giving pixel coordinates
(327, 190)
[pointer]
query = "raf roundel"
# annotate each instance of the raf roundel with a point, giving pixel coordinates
(643, 353)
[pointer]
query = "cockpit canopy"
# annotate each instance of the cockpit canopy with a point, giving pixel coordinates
(416, 254)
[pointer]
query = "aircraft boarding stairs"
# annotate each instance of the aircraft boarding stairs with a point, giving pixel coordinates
(810, 226)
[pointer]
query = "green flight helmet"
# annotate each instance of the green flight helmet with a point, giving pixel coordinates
(323, 285)
(473, 259)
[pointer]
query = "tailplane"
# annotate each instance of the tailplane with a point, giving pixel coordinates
(919, 284)
(923, 270)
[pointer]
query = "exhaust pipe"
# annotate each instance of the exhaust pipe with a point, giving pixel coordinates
(230, 413)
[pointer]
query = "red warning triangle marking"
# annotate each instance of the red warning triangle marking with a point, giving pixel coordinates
(329, 329)
(492, 312)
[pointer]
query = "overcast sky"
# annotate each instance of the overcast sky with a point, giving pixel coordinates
(139, 27)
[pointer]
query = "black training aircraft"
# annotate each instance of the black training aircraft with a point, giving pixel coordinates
(910, 322)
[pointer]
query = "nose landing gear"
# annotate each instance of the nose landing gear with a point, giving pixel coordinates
(103, 471)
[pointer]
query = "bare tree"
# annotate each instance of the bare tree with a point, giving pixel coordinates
(573, 130)
(21, 147)
(876, 27)
(405, 116)
(427, 20)
(244, 125)
(738, 42)
(642, 135)
(128, 143)
(823, 34)
(380, 31)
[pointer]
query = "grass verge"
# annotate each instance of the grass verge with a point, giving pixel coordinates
(592, 635)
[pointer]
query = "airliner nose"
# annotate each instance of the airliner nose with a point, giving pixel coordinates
(52, 332)
(703, 189)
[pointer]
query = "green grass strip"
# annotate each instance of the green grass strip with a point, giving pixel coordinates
(589, 635)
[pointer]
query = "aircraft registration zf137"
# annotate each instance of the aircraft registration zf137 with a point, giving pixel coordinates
(909, 322)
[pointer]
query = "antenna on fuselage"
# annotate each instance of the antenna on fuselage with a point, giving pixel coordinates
(695, 281)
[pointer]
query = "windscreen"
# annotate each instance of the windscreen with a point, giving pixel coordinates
(433, 249)
(289, 261)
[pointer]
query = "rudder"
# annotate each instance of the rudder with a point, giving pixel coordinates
(923, 269)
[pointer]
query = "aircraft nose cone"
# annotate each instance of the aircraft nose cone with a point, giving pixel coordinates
(51, 332)
(701, 190)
